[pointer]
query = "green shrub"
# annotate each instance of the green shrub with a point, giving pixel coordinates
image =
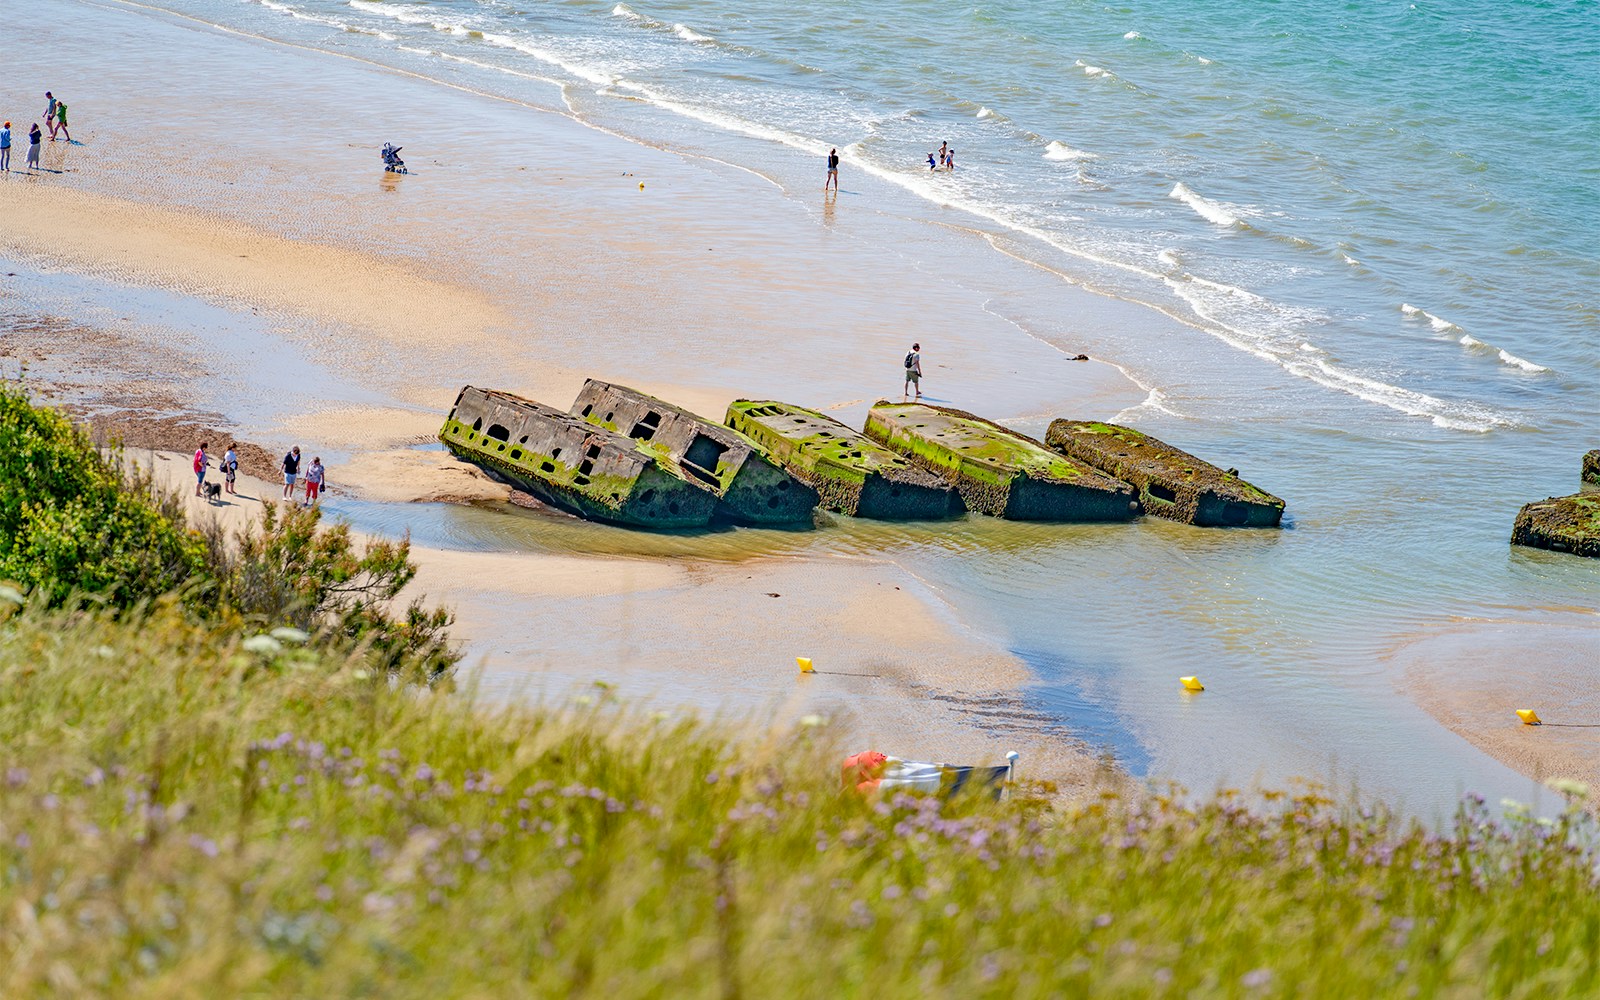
(289, 569)
(69, 522)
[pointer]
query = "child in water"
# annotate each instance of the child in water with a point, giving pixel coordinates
(932, 164)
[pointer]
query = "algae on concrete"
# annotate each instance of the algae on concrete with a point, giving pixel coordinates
(751, 489)
(1562, 524)
(1172, 483)
(997, 470)
(1591, 467)
(571, 464)
(852, 474)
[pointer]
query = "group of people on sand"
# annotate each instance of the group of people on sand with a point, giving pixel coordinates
(55, 117)
(314, 477)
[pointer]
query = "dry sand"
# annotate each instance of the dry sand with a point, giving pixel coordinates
(894, 669)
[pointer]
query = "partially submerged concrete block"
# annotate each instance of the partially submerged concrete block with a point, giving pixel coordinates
(998, 471)
(752, 490)
(1172, 483)
(852, 474)
(572, 464)
(1591, 467)
(1563, 524)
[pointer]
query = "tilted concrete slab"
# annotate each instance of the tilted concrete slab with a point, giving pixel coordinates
(572, 464)
(1563, 524)
(1172, 483)
(852, 474)
(1591, 467)
(752, 490)
(998, 471)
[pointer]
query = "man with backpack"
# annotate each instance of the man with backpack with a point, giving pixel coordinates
(913, 372)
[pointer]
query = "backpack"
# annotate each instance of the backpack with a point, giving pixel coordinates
(911, 359)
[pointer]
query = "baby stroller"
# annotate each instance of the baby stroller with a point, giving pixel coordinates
(391, 159)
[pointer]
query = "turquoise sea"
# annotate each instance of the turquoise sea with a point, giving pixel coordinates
(1376, 219)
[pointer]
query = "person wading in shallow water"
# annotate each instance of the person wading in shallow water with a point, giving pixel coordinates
(833, 171)
(913, 372)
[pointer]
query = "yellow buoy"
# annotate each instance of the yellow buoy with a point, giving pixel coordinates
(1191, 684)
(641, 185)
(1529, 717)
(805, 664)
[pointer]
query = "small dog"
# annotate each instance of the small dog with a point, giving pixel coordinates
(213, 492)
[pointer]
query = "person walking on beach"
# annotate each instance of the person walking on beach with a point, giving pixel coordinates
(314, 476)
(61, 119)
(50, 114)
(833, 171)
(33, 147)
(230, 468)
(5, 148)
(200, 464)
(913, 372)
(291, 469)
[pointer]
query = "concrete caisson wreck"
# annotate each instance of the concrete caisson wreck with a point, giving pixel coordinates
(852, 474)
(998, 471)
(1562, 524)
(1591, 467)
(751, 489)
(1172, 483)
(572, 464)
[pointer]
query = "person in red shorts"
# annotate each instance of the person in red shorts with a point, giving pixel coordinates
(314, 476)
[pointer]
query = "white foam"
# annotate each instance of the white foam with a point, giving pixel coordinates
(1438, 323)
(985, 113)
(1516, 362)
(688, 34)
(1089, 70)
(1170, 258)
(1351, 260)
(1211, 211)
(1057, 150)
(301, 15)
(1202, 60)
(623, 10)
(1130, 36)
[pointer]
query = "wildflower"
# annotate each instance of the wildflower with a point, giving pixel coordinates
(285, 633)
(813, 721)
(10, 594)
(1256, 978)
(266, 645)
(1569, 787)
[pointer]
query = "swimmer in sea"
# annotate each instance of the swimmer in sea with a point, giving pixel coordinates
(932, 165)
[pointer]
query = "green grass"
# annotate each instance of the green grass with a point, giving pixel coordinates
(180, 816)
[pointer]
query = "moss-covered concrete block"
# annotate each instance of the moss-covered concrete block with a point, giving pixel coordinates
(572, 464)
(998, 471)
(1563, 524)
(1172, 483)
(1591, 467)
(851, 473)
(751, 489)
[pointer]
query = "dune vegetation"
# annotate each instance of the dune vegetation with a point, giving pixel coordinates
(207, 792)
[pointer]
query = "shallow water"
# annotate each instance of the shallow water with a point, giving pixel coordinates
(1324, 246)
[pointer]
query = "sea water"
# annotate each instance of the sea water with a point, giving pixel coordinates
(1374, 224)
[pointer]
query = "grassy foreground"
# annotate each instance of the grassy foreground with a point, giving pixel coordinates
(196, 803)
(182, 816)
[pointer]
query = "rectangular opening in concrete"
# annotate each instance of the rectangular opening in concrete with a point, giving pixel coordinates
(499, 432)
(702, 457)
(646, 429)
(585, 467)
(547, 467)
(1162, 493)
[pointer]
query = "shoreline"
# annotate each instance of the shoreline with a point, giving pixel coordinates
(537, 262)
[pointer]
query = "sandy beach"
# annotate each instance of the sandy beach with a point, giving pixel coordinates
(218, 253)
